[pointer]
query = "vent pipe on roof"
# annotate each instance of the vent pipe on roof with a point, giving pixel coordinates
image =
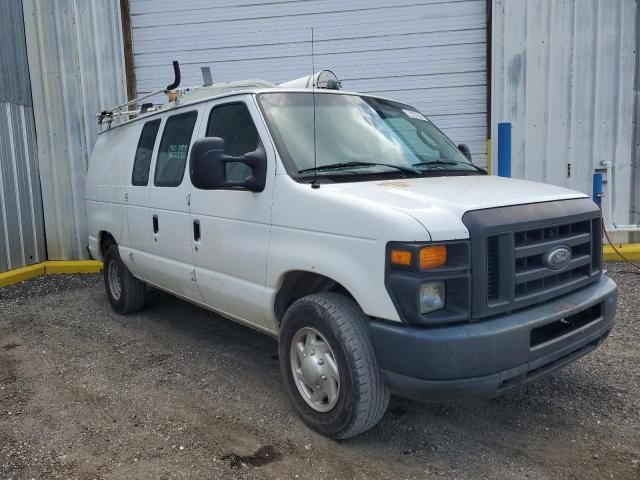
(176, 76)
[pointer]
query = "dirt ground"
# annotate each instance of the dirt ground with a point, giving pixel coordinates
(178, 392)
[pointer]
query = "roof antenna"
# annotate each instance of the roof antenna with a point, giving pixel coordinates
(315, 183)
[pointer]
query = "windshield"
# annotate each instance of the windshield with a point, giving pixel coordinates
(357, 135)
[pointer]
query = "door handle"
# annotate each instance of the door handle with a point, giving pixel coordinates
(196, 230)
(155, 224)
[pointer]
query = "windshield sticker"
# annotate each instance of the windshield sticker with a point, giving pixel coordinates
(414, 114)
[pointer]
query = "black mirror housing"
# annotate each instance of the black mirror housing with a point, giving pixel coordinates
(205, 154)
(464, 149)
(208, 166)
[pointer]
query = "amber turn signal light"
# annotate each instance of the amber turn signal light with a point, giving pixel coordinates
(400, 257)
(433, 257)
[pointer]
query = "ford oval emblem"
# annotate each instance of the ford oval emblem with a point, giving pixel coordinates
(557, 258)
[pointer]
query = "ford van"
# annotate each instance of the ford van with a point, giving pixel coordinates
(352, 230)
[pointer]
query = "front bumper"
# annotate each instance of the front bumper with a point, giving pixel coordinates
(490, 357)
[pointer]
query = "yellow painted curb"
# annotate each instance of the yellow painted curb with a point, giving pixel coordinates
(32, 271)
(631, 251)
(21, 274)
(81, 266)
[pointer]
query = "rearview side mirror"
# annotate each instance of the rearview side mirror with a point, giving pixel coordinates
(209, 167)
(464, 149)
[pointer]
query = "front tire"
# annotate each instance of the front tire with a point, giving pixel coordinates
(329, 366)
(125, 292)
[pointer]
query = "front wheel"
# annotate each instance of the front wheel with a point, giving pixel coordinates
(329, 367)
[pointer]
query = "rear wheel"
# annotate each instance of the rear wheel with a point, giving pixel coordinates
(329, 367)
(125, 292)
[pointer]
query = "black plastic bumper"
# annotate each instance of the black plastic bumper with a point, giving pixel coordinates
(490, 357)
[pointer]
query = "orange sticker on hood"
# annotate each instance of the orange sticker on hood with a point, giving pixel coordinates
(394, 183)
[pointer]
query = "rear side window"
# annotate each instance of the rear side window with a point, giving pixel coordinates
(174, 146)
(142, 161)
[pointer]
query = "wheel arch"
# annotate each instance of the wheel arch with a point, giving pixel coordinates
(296, 284)
(105, 240)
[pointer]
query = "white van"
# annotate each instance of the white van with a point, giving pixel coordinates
(355, 232)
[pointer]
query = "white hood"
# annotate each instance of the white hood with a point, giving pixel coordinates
(439, 203)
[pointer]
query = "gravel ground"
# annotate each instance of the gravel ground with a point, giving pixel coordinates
(178, 392)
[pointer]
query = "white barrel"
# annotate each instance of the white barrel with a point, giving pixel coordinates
(322, 79)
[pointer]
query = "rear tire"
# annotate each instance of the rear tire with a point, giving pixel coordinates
(125, 292)
(329, 366)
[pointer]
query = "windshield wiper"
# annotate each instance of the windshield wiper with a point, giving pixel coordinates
(334, 166)
(448, 162)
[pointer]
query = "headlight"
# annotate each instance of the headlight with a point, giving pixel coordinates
(432, 296)
(430, 282)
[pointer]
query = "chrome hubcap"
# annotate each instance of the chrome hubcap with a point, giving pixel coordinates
(315, 370)
(113, 274)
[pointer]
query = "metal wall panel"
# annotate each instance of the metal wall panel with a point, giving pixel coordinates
(77, 68)
(21, 221)
(563, 74)
(431, 54)
(14, 74)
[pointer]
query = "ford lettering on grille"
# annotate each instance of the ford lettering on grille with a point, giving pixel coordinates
(557, 258)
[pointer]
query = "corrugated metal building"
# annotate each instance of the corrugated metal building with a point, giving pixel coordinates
(76, 62)
(21, 219)
(61, 62)
(563, 72)
(565, 75)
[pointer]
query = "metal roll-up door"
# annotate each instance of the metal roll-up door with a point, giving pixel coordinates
(430, 54)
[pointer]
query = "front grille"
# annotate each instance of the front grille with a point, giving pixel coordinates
(517, 275)
(511, 253)
(493, 277)
(532, 276)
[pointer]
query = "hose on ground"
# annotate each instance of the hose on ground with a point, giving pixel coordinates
(631, 263)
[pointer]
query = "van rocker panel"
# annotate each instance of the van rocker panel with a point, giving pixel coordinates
(490, 357)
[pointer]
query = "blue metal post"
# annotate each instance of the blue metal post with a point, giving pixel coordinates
(504, 149)
(597, 188)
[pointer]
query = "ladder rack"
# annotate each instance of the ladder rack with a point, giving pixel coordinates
(324, 79)
(176, 95)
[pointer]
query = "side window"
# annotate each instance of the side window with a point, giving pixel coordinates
(142, 160)
(233, 123)
(174, 146)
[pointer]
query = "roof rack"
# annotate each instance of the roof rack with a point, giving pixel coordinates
(109, 114)
(324, 79)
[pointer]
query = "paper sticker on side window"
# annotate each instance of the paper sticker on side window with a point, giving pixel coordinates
(178, 151)
(414, 114)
